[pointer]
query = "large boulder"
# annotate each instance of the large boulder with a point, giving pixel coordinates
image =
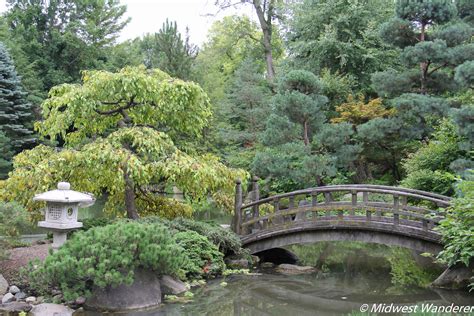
(3, 285)
(457, 277)
(47, 309)
(292, 269)
(14, 289)
(144, 292)
(7, 298)
(171, 286)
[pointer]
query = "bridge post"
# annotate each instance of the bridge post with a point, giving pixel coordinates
(238, 207)
(256, 197)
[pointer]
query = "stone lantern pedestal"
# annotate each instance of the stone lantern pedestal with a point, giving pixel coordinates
(62, 206)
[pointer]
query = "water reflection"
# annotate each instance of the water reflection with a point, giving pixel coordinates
(351, 275)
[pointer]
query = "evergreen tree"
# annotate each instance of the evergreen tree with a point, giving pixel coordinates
(243, 114)
(6, 155)
(61, 37)
(297, 116)
(434, 42)
(168, 51)
(16, 116)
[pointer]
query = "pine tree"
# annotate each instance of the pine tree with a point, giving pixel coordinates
(168, 51)
(6, 155)
(16, 115)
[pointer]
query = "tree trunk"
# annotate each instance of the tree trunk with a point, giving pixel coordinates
(129, 196)
(266, 26)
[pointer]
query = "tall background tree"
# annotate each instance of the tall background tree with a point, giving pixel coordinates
(59, 38)
(167, 50)
(267, 12)
(340, 35)
(16, 115)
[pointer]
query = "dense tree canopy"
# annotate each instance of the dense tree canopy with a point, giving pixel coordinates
(119, 130)
(301, 93)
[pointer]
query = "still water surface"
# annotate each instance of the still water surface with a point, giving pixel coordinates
(351, 276)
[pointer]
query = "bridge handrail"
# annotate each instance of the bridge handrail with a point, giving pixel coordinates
(440, 200)
(247, 214)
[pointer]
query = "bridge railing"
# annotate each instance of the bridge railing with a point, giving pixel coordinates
(354, 202)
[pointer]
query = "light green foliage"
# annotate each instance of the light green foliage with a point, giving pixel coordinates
(13, 217)
(341, 36)
(168, 51)
(116, 143)
(429, 167)
(152, 97)
(107, 256)
(406, 273)
(204, 258)
(230, 41)
(336, 87)
(16, 114)
(458, 227)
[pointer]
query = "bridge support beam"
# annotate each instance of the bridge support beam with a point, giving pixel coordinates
(305, 237)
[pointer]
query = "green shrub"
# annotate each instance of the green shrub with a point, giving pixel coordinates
(204, 258)
(109, 255)
(458, 228)
(226, 240)
(428, 168)
(13, 217)
(406, 273)
(88, 223)
(432, 181)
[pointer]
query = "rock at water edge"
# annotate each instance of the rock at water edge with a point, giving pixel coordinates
(15, 307)
(145, 292)
(3, 285)
(171, 286)
(47, 309)
(294, 269)
(457, 277)
(7, 298)
(14, 289)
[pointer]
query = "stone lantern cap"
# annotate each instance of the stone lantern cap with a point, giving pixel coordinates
(64, 194)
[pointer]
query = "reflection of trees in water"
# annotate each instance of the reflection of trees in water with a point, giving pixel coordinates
(282, 295)
(357, 262)
(275, 294)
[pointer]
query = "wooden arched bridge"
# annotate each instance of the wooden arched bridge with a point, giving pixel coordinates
(355, 212)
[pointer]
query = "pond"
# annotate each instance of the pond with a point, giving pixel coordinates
(350, 275)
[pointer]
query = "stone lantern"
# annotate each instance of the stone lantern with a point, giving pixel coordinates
(61, 212)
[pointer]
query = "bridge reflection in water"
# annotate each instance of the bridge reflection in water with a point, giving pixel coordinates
(367, 213)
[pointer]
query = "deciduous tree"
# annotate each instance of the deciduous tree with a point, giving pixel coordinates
(119, 130)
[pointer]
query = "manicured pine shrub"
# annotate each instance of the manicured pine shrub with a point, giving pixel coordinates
(107, 256)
